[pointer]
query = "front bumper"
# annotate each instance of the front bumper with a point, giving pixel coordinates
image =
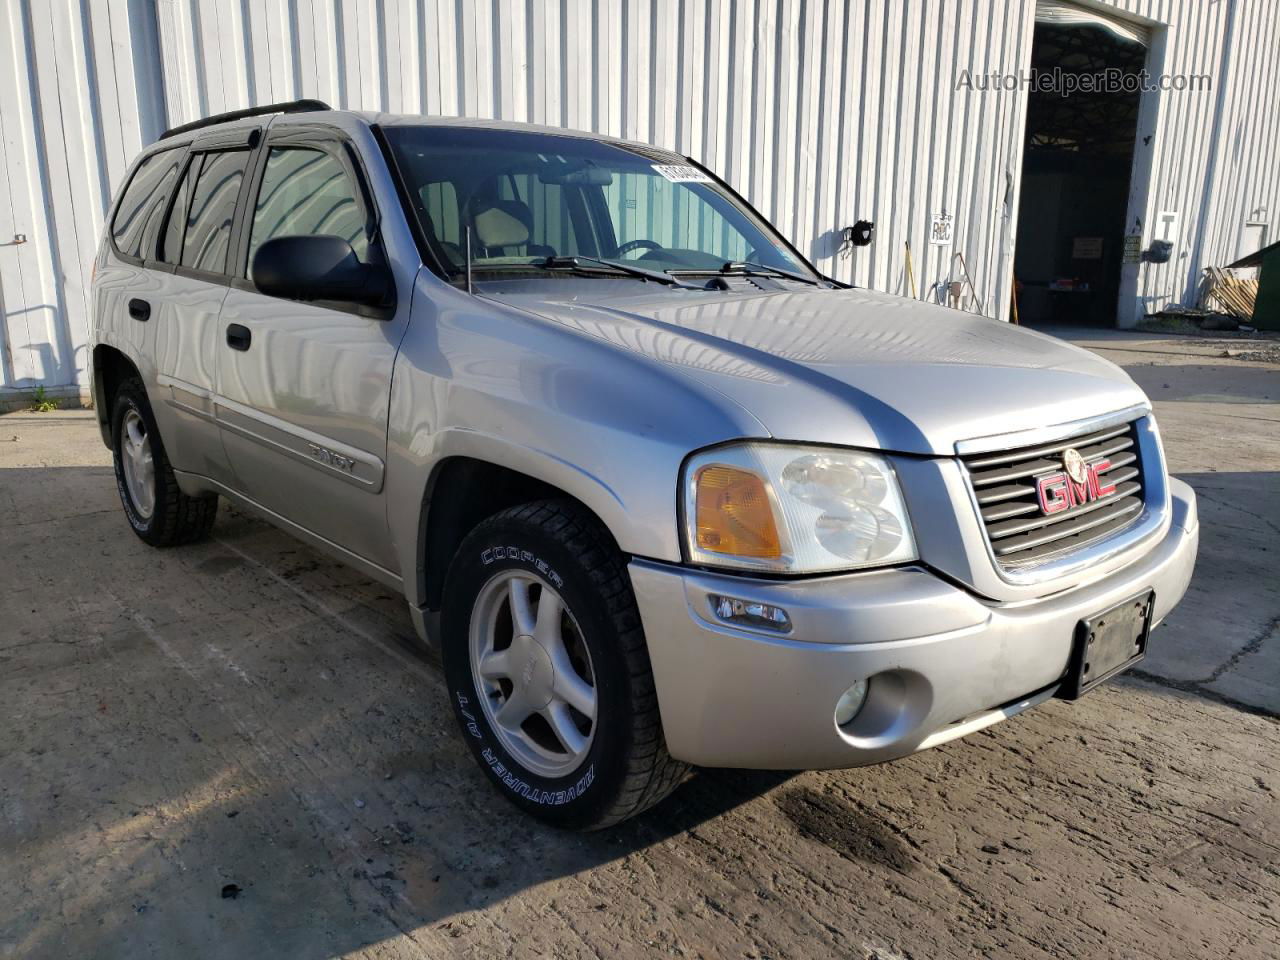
(943, 662)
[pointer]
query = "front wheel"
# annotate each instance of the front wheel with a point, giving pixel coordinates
(548, 671)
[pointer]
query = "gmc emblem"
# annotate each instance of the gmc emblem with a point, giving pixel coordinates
(1083, 484)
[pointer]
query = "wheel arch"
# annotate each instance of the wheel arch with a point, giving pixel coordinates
(461, 492)
(111, 367)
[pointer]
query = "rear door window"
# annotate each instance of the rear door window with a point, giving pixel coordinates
(141, 209)
(213, 206)
(198, 233)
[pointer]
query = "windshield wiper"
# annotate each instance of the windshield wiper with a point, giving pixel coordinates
(748, 268)
(578, 262)
(734, 266)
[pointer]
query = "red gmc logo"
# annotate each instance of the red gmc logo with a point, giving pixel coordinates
(1062, 491)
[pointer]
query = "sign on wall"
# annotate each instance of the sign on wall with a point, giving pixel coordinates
(940, 229)
(1167, 226)
(1132, 248)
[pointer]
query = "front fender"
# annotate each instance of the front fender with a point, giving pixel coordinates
(479, 379)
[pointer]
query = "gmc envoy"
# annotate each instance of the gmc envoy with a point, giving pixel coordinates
(657, 491)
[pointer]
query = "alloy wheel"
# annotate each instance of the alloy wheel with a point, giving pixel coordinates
(533, 671)
(138, 462)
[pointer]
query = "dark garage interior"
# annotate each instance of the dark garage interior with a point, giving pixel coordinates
(1077, 162)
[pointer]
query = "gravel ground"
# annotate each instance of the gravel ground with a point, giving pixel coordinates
(233, 750)
(1262, 352)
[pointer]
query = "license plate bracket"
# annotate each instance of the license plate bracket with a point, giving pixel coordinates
(1108, 643)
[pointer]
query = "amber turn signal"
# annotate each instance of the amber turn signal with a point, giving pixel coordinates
(733, 515)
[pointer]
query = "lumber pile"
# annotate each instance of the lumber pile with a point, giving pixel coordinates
(1229, 293)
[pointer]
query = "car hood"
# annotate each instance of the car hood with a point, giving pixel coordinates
(852, 367)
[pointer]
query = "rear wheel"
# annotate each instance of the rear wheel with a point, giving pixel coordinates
(159, 512)
(546, 663)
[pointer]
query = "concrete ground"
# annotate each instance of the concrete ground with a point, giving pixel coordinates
(230, 750)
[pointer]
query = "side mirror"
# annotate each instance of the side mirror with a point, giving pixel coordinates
(318, 268)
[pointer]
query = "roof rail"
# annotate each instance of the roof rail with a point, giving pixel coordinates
(290, 106)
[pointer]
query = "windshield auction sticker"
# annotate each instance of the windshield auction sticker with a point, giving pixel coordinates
(681, 173)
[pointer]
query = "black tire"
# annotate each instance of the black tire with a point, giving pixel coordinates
(175, 518)
(627, 768)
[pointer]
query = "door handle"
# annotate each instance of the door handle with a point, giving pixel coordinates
(139, 309)
(238, 337)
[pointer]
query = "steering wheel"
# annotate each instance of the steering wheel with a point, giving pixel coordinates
(639, 245)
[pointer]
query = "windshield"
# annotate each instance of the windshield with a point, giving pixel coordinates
(527, 197)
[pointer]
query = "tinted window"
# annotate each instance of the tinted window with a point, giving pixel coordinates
(307, 193)
(543, 207)
(525, 196)
(645, 208)
(137, 219)
(440, 204)
(551, 222)
(207, 231)
(170, 249)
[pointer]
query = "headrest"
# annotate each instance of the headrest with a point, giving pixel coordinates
(502, 223)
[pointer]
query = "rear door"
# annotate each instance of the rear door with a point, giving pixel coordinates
(128, 282)
(187, 282)
(304, 388)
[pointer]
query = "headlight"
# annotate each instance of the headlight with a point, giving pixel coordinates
(794, 509)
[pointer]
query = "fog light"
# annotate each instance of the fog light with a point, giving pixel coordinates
(850, 703)
(748, 613)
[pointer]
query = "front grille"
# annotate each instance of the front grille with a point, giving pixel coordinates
(1004, 484)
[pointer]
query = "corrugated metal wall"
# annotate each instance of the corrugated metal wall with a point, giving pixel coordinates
(822, 113)
(79, 97)
(1213, 151)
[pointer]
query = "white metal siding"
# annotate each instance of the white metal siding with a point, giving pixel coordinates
(76, 106)
(821, 113)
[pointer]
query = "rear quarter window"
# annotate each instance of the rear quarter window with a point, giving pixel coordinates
(138, 215)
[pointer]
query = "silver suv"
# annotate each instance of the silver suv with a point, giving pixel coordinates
(658, 492)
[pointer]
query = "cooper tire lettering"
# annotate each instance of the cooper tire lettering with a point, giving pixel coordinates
(491, 555)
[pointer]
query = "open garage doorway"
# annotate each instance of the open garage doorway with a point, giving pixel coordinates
(1076, 168)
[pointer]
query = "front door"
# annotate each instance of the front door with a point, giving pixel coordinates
(303, 388)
